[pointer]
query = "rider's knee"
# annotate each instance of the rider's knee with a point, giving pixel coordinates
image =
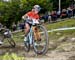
(27, 27)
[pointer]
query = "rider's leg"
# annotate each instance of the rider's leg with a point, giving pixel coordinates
(27, 27)
(36, 33)
(26, 30)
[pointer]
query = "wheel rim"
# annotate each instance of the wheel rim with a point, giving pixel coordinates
(41, 46)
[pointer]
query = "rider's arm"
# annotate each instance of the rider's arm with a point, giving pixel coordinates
(25, 16)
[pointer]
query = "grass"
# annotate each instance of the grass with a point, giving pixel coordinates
(1, 57)
(61, 24)
(53, 35)
(11, 56)
(59, 34)
(65, 23)
(18, 38)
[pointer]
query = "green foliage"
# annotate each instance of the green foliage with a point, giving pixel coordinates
(13, 10)
(12, 57)
(10, 12)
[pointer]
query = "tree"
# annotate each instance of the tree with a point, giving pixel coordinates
(12, 11)
(64, 4)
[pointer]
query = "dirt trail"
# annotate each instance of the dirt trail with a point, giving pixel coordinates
(51, 55)
(54, 56)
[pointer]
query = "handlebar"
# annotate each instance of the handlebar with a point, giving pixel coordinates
(33, 22)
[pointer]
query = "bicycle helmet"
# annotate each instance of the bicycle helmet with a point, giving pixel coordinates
(37, 7)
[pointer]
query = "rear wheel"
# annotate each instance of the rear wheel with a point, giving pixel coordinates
(11, 42)
(1, 39)
(41, 46)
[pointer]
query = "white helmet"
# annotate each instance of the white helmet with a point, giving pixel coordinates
(37, 7)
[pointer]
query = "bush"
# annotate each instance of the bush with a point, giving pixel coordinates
(12, 56)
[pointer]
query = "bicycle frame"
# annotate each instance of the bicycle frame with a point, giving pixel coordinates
(33, 40)
(6, 34)
(30, 36)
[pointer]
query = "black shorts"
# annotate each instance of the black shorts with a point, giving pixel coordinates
(29, 22)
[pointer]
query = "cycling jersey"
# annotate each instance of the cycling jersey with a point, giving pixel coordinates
(33, 15)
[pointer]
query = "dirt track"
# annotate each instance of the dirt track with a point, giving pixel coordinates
(51, 55)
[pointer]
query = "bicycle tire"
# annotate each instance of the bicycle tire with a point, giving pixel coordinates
(1, 37)
(27, 45)
(45, 48)
(11, 42)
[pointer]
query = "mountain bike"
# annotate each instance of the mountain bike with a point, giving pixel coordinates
(39, 42)
(5, 34)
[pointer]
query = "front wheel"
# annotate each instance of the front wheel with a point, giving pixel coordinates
(41, 45)
(26, 44)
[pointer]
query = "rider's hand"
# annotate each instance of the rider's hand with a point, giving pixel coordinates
(23, 17)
